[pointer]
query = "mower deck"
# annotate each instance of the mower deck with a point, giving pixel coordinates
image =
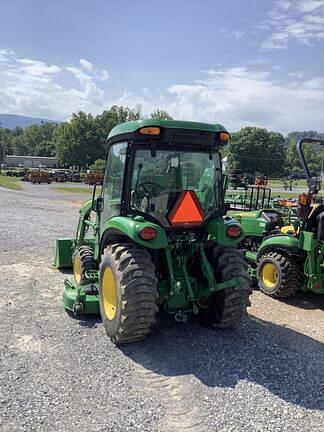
(81, 299)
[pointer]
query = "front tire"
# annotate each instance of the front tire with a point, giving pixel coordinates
(226, 308)
(278, 275)
(127, 293)
(83, 260)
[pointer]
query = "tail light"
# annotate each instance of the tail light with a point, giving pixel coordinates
(147, 233)
(234, 231)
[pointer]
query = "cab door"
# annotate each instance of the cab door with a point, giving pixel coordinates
(113, 183)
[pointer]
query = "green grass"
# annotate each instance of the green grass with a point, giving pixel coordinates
(279, 182)
(290, 194)
(10, 182)
(285, 194)
(67, 189)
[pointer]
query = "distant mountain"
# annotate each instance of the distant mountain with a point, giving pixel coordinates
(11, 121)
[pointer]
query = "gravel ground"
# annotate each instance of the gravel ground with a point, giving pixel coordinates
(58, 373)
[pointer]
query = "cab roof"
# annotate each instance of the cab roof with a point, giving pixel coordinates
(133, 126)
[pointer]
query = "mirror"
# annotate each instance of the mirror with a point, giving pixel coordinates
(97, 202)
(97, 205)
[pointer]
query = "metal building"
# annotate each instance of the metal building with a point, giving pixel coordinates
(30, 161)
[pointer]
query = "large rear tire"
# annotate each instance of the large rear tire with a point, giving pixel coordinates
(278, 275)
(127, 293)
(226, 307)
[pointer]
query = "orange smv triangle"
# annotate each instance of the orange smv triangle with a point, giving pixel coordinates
(187, 210)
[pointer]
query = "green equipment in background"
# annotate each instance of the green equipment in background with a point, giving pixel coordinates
(157, 236)
(287, 257)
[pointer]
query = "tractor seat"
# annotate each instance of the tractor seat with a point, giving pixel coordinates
(315, 220)
(161, 204)
(274, 219)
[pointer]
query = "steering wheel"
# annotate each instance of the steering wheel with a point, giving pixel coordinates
(149, 188)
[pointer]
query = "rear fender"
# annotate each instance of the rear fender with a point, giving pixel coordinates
(218, 227)
(122, 228)
(283, 243)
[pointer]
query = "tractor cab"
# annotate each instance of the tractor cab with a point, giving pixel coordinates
(152, 170)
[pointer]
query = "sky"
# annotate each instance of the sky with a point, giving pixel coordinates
(234, 62)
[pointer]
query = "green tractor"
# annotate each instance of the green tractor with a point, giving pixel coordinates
(157, 236)
(287, 257)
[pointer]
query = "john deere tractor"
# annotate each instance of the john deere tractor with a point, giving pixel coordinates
(287, 257)
(157, 235)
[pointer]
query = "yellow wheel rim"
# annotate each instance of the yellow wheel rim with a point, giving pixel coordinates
(109, 294)
(270, 275)
(77, 269)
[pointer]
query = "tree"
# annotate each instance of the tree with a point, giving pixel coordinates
(7, 141)
(118, 114)
(18, 145)
(2, 146)
(257, 150)
(79, 142)
(39, 139)
(17, 131)
(313, 153)
(11, 135)
(161, 114)
(297, 135)
(98, 166)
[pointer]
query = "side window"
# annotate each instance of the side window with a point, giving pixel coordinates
(113, 181)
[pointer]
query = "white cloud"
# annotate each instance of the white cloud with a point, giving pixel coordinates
(37, 68)
(238, 97)
(309, 5)
(87, 83)
(298, 20)
(6, 55)
(297, 74)
(99, 74)
(235, 97)
(32, 87)
(86, 64)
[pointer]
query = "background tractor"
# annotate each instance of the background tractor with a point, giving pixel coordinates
(239, 179)
(286, 252)
(157, 236)
(236, 179)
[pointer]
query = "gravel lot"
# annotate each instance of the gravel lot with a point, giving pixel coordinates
(58, 373)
